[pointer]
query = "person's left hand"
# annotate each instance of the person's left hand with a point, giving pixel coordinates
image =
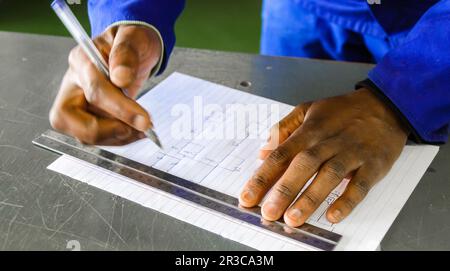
(351, 135)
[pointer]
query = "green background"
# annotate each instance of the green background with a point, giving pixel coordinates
(228, 25)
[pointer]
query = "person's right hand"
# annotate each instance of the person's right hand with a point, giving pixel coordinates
(91, 107)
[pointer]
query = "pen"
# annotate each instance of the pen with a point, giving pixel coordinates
(79, 34)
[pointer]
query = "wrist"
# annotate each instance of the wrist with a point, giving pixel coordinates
(384, 110)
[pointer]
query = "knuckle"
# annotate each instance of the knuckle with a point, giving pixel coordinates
(259, 181)
(303, 163)
(349, 203)
(311, 133)
(362, 187)
(310, 199)
(284, 190)
(335, 170)
(311, 155)
(279, 156)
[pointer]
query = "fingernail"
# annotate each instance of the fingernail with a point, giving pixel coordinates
(270, 210)
(295, 214)
(337, 214)
(140, 123)
(248, 196)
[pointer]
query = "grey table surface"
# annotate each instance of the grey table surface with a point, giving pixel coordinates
(42, 210)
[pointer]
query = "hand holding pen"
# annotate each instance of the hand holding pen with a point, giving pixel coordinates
(92, 104)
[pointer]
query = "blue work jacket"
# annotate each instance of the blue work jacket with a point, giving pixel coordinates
(408, 39)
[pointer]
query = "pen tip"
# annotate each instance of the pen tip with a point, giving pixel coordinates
(153, 137)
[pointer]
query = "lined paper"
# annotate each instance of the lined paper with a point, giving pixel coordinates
(225, 164)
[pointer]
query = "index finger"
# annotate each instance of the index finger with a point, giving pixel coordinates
(275, 164)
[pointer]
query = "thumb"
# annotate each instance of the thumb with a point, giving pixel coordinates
(124, 59)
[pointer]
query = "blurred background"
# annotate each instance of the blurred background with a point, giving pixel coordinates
(231, 25)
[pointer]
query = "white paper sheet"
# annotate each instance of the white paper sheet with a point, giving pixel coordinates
(225, 164)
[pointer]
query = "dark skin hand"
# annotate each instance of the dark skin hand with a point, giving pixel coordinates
(353, 135)
(91, 107)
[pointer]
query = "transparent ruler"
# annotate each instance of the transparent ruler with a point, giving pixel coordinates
(311, 236)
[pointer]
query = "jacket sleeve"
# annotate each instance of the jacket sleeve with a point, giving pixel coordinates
(415, 76)
(160, 14)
